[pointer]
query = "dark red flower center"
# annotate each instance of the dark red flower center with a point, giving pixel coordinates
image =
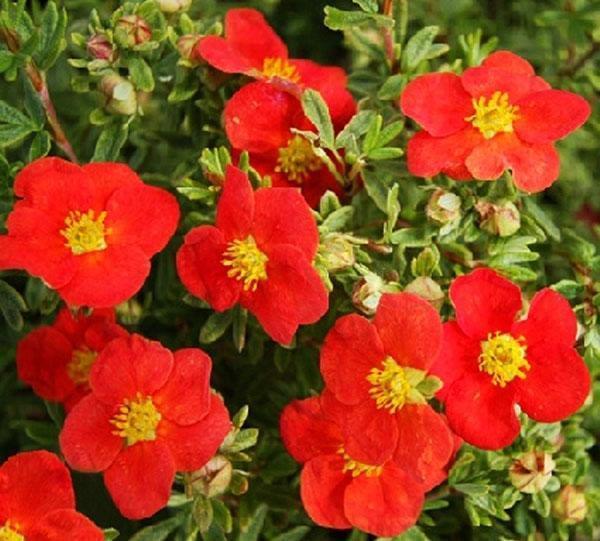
(504, 358)
(137, 419)
(81, 364)
(297, 160)
(280, 68)
(85, 232)
(246, 262)
(493, 115)
(356, 468)
(10, 532)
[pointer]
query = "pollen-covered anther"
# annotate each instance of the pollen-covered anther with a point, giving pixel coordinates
(137, 419)
(504, 358)
(280, 68)
(390, 385)
(246, 261)
(297, 160)
(81, 364)
(9, 532)
(356, 468)
(85, 232)
(493, 115)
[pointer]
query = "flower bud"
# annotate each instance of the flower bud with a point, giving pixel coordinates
(214, 477)
(531, 471)
(443, 207)
(132, 30)
(426, 262)
(99, 48)
(337, 252)
(186, 45)
(427, 289)
(173, 6)
(502, 219)
(130, 312)
(120, 95)
(367, 292)
(570, 506)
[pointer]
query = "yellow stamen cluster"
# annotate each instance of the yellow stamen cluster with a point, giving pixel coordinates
(390, 385)
(81, 364)
(137, 420)
(297, 160)
(247, 263)
(85, 232)
(494, 115)
(8, 532)
(358, 468)
(281, 69)
(503, 357)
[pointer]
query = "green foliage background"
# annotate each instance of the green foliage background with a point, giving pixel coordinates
(181, 117)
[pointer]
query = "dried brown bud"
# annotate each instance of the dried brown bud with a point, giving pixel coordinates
(570, 505)
(427, 289)
(121, 98)
(443, 207)
(214, 477)
(337, 252)
(531, 471)
(502, 219)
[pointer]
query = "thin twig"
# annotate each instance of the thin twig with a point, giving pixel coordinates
(575, 66)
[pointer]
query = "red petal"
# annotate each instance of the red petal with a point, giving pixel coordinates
(293, 294)
(107, 177)
(200, 268)
(283, 217)
(128, 366)
(140, 479)
(482, 413)
(458, 355)
(306, 432)
(425, 443)
(223, 55)
(42, 360)
(438, 102)
(549, 115)
(485, 302)
(485, 81)
(87, 439)
(410, 329)
(487, 161)
(185, 399)
(235, 211)
(508, 61)
(427, 156)
(534, 167)
(322, 486)
(142, 216)
(65, 524)
(557, 384)
(384, 505)
(192, 446)
(351, 349)
(106, 278)
(280, 111)
(34, 483)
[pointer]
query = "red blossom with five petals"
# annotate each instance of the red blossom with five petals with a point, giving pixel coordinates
(150, 414)
(493, 117)
(37, 502)
(259, 254)
(491, 361)
(56, 359)
(89, 232)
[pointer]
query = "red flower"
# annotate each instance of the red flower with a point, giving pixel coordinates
(494, 117)
(259, 254)
(378, 371)
(37, 501)
(150, 413)
(338, 491)
(275, 150)
(89, 232)
(56, 359)
(489, 361)
(252, 47)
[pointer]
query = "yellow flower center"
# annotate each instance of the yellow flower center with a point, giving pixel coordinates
(137, 420)
(390, 386)
(280, 68)
(9, 532)
(297, 160)
(81, 364)
(84, 232)
(493, 115)
(247, 263)
(357, 468)
(503, 358)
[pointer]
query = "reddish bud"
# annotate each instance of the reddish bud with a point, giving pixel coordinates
(100, 48)
(132, 30)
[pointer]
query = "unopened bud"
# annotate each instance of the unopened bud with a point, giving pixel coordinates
(173, 6)
(569, 505)
(132, 30)
(214, 477)
(531, 471)
(427, 289)
(130, 312)
(99, 48)
(120, 95)
(443, 207)
(186, 45)
(502, 219)
(337, 252)
(368, 291)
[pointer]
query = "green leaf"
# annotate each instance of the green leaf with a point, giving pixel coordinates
(10, 115)
(418, 47)
(338, 19)
(110, 534)
(568, 288)
(251, 528)
(141, 74)
(53, 42)
(295, 534)
(370, 6)
(316, 110)
(13, 133)
(337, 219)
(392, 87)
(157, 532)
(385, 153)
(110, 142)
(215, 326)
(11, 306)
(542, 219)
(40, 145)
